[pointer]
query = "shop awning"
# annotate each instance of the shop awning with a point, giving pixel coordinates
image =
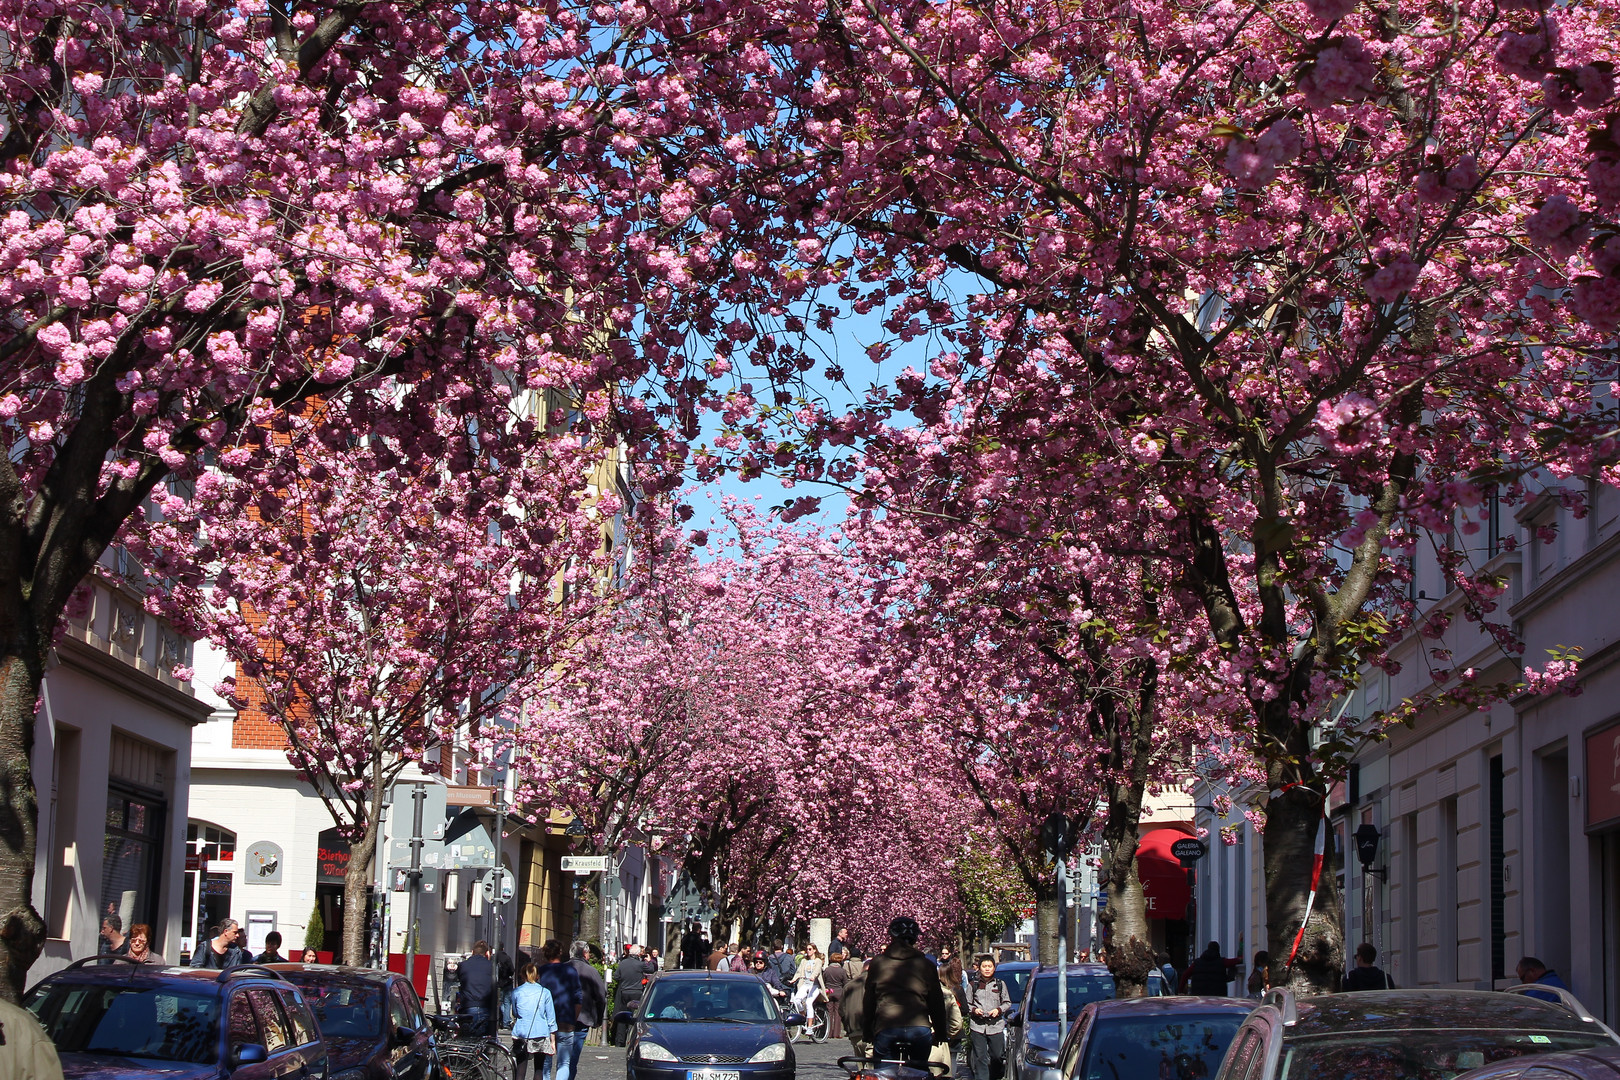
(1164, 881)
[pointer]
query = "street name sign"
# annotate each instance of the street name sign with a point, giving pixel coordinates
(584, 864)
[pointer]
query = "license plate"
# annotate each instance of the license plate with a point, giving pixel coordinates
(713, 1074)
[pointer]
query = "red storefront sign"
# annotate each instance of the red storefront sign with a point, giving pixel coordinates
(331, 858)
(1603, 777)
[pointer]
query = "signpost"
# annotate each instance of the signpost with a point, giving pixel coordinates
(498, 886)
(585, 864)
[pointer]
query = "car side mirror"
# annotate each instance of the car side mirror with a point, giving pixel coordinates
(793, 1019)
(1046, 1059)
(624, 1016)
(248, 1054)
(1014, 1016)
(403, 1036)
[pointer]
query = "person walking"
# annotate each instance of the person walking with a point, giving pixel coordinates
(834, 977)
(904, 1004)
(988, 1004)
(477, 998)
(628, 976)
(717, 959)
(848, 947)
(692, 951)
(223, 950)
(592, 999)
(807, 980)
(943, 1052)
(1367, 975)
(1211, 974)
(272, 948)
(534, 1025)
(851, 1011)
(113, 942)
(140, 946)
(557, 975)
(1532, 970)
(738, 960)
(27, 1052)
(505, 971)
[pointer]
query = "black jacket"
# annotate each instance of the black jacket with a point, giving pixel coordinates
(592, 994)
(1210, 974)
(1367, 978)
(903, 990)
(475, 978)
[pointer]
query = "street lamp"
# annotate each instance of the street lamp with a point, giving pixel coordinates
(1367, 838)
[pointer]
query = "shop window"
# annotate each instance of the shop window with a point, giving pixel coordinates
(207, 892)
(132, 857)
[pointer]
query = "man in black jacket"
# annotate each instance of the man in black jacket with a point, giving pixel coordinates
(476, 994)
(1211, 974)
(628, 976)
(1367, 975)
(903, 1011)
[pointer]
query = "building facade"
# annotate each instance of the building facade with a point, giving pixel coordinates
(112, 765)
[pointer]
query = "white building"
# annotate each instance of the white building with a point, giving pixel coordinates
(112, 765)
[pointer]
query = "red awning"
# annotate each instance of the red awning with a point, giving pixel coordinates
(1164, 881)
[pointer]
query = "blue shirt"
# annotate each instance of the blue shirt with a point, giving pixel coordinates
(566, 990)
(536, 1017)
(1548, 978)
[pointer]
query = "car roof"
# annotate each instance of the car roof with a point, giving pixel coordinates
(1074, 969)
(1180, 1005)
(1017, 965)
(151, 975)
(1412, 1010)
(298, 972)
(685, 975)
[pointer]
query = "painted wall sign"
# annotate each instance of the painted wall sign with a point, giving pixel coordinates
(331, 857)
(262, 864)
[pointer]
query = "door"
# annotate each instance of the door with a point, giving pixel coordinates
(287, 1058)
(242, 1031)
(306, 1033)
(409, 1059)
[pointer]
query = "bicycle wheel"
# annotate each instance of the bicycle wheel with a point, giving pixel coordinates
(495, 1061)
(460, 1061)
(815, 1022)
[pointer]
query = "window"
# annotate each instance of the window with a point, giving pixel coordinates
(129, 1021)
(207, 893)
(1237, 1062)
(274, 1022)
(399, 1013)
(243, 1029)
(304, 1029)
(131, 857)
(1498, 876)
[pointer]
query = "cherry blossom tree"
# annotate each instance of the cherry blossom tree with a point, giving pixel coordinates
(379, 613)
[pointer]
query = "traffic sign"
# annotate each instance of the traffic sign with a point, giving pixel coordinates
(498, 886)
(584, 864)
(1189, 849)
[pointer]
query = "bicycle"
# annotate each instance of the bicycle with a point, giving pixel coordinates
(471, 1057)
(814, 1027)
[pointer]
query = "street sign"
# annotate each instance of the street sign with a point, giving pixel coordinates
(575, 828)
(434, 810)
(467, 844)
(1189, 849)
(498, 886)
(584, 864)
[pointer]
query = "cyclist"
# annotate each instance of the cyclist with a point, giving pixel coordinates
(903, 1011)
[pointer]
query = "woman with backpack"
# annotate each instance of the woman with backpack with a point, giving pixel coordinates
(987, 1022)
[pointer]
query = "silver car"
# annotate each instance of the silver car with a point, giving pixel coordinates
(1404, 1034)
(1032, 1029)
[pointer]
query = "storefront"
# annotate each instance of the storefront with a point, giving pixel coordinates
(1168, 893)
(1603, 831)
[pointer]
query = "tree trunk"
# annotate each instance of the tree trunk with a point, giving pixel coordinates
(356, 885)
(1046, 919)
(1292, 820)
(590, 907)
(1130, 949)
(22, 931)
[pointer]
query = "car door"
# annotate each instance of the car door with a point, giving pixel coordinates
(1074, 1044)
(306, 1032)
(287, 1059)
(408, 1058)
(241, 1032)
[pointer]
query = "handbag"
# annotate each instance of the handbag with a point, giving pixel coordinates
(546, 1046)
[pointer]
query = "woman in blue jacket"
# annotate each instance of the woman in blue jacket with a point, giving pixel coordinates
(536, 1019)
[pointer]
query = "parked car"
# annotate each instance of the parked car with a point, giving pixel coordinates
(372, 1022)
(1600, 1063)
(1172, 1038)
(1403, 1034)
(709, 1025)
(120, 1019)
(1016, 973)
(1032, 1027)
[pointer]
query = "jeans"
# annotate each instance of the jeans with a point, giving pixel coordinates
(506, 1009)
(565, 1064)
(909, 1044)
(989, 1055)
(475, 1022)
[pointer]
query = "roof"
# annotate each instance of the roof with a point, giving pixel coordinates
(333, 972)
(687, 975)
(1075, 969)
(147, 974)
(1431, 1010)
(1180, 1005)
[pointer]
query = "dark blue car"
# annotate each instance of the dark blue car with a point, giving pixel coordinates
(709, 1025)
(372, 1022)
(120, 1019)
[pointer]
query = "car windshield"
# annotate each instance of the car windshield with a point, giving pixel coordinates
(129, 1021)
(740, 1000)
(1178, 1047)
(1043, 1005)
(1418, 1055)
(1016, 979)
(345, 1010)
